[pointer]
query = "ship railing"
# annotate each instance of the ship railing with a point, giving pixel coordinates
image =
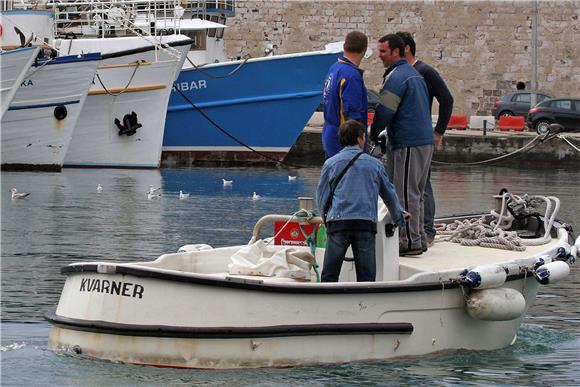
(114, 18)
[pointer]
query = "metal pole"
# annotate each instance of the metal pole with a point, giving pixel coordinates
(534, 85)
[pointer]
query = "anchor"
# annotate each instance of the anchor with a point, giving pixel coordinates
(129, 126)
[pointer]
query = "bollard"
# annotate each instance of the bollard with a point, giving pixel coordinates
(484, 127)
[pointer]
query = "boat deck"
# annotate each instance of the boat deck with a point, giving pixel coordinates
(448, 256)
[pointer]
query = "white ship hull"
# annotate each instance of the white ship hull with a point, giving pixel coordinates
(119, 90)
(38, 126)
(14, 65)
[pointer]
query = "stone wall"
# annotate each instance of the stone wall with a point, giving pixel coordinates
(481, 48)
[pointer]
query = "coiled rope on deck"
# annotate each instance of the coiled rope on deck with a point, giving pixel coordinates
(473, 232)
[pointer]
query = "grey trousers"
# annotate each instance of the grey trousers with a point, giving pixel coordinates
(408, 169)
(429, 208)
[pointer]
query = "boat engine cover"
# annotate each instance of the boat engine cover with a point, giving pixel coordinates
(498, 304)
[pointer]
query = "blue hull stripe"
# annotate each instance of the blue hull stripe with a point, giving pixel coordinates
(43, 105)
(68, 59)
(241, 101)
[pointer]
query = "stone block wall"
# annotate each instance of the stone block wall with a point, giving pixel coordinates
(481, 48)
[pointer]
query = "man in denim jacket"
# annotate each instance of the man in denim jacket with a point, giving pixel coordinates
(352, 218)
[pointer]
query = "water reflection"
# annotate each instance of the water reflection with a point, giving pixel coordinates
(64, 220)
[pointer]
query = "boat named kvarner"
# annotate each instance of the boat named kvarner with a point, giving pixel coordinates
(261, 305)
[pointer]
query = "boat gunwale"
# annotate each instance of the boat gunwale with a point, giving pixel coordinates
(231, 281)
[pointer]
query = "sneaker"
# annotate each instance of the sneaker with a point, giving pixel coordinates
(412, 252)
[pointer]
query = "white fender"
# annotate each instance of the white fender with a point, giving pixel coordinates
(499, 304)
(485, 277)
(552, 272)
(197, 247)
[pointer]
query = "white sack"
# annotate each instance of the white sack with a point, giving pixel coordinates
(271, 261)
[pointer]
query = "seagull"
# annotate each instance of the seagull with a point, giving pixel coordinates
(256, 196)
(183, 195)
(99, 188)
(18, 195)
(228, 183)
(291, 178)
(152, 190)
(153, 195)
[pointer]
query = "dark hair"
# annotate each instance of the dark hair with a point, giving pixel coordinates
(408, 40)
(395, 41)
(356, 41)
(521, 85)
(349, 132)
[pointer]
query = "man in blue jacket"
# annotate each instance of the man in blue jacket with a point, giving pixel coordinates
(405, 112)
(352, 217)
(437, 89)
(345, 94)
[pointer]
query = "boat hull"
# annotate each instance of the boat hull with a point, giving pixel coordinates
(261, 104)
(121, 90)
(219, 327)
(15, 64)
(33, 137)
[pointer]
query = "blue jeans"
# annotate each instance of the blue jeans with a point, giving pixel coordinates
(363, 248)
(429, 208)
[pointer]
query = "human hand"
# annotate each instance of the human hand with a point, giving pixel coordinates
(438, 140)
(407, 216)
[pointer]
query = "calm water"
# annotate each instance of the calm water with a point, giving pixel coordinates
(64, 220)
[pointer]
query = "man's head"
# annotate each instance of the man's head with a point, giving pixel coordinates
(352, 133)
(356, 42)
(391, 49)
(410, 45)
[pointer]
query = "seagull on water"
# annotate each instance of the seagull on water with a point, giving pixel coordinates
(255, 196)
(18, 195)
(153, 195)
(291, 178)
(99, 188)
(228, 183)
(183, 195)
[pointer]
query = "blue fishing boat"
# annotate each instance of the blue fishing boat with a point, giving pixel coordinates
(243, 110)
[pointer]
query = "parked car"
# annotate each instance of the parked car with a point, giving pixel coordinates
(515, 103)
(563, 111)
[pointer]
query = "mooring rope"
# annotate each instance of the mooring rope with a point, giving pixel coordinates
(532, 144)
(569, 143)
(473, 232)
(201, 70)
(138, 63)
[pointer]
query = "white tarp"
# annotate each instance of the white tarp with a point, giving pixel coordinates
(271, 261)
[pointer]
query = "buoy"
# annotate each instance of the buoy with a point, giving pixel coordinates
(485, 277)
(498, 304)
(552, 272)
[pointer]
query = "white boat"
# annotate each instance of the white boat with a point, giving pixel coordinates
(13, 67)
(260, 305)
(122, 122)
(39, 123)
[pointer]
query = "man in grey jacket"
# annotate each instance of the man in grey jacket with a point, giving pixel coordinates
(352, 218)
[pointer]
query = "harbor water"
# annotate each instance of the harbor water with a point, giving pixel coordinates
(65, 220)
